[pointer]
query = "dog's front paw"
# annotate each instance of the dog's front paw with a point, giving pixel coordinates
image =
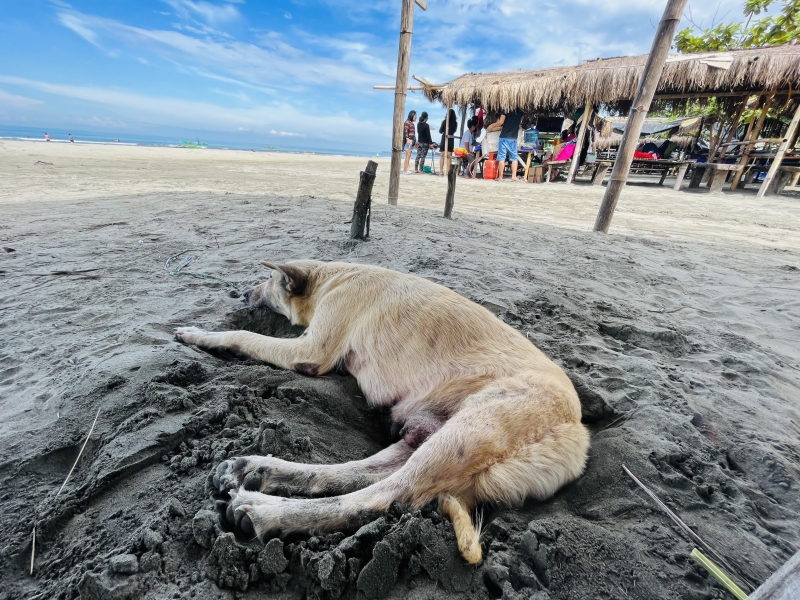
(190, 335)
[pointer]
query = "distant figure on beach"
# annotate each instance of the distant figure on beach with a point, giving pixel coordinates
(46, 137)
(445, 150)
(424, 142)
(71, 139)
(508, 125)
(409, 138)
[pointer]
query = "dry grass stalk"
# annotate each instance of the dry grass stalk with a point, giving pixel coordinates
(683, 526)
(75, 464)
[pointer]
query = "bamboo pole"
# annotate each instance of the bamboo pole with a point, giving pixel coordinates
(576, 157)
(754, 133)
(644, 96)
(776, 162)
(403, 62)
(463, 120)
(446, 164)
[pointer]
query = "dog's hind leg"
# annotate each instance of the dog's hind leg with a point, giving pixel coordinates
(272, 475)
(511, 443)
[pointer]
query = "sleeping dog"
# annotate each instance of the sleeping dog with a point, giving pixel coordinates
(485, 415)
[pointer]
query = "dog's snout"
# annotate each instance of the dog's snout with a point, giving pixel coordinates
(246, 295)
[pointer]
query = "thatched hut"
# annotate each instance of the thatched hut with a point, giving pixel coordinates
(730, 78)
(612, 82)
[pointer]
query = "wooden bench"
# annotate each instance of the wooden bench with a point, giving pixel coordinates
(656, 165)
(785, 175)
(719, 172)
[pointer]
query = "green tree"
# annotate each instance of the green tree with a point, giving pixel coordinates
(756, 31)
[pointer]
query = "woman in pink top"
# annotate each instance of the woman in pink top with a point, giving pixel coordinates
(46, 138)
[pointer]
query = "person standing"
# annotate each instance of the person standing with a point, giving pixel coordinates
(71, 139)
(447, 148)
(508, 125)
(424, 142)
(409, 138)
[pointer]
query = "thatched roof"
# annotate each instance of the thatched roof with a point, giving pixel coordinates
(613, 81)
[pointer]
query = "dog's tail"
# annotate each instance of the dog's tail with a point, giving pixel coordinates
(468, 538)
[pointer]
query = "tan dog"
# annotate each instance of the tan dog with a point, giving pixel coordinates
(486, 417)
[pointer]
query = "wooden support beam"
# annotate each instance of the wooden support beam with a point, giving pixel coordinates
(463, 118)
(450, 199)
(644, 96)
(755, 131)
(776, 162)
(422, 4)
(411, 88)
(576, 157)
(401, 83)
(446, 138)
(731, 131)
(359, 226)
(783, 584)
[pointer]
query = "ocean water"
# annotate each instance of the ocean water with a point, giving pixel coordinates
(125, 139)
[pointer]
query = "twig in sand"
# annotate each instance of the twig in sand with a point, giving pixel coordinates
(75, 464)
(718, 574)
(33, 547)
(684, 527)
(74, 272)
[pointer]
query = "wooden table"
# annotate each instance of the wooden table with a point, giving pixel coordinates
(719, 172)
(662, 165)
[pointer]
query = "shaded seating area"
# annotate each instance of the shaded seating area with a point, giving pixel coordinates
(745, 86)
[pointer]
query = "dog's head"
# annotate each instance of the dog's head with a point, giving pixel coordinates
(286, 283)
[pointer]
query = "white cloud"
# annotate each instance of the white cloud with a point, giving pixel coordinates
(177, 112)
(13, 101)
(74, 23)
(210, 13)
(273, 62)
(286, 133)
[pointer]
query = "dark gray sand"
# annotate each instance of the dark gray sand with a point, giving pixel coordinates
(685, 355)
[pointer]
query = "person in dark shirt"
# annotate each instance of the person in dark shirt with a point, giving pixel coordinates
(508, 125)
(424, 142)
(445, 151)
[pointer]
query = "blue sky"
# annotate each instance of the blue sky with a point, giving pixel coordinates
(295, 72)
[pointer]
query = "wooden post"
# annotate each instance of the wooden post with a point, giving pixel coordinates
(783, 584)
(723, 145)
(754, 133)
(361, 208)
(401, 83)
(576, 157)
(446, 163)
(463, 120)
(644, 96)
(697, 137)
(776, 162)
(449, 200)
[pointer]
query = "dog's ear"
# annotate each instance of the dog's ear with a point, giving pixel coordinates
(295, 278)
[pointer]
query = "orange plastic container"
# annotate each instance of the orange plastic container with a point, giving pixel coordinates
(492, 156)
(490, 169)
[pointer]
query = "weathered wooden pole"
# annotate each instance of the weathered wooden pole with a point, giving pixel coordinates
(776, 162)
(754, 133)
(400, 87)
(446, 164)
(731, 131)
(576, 157)
(641, 103)
(361, 208)
(450, 199)
(463, 120)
